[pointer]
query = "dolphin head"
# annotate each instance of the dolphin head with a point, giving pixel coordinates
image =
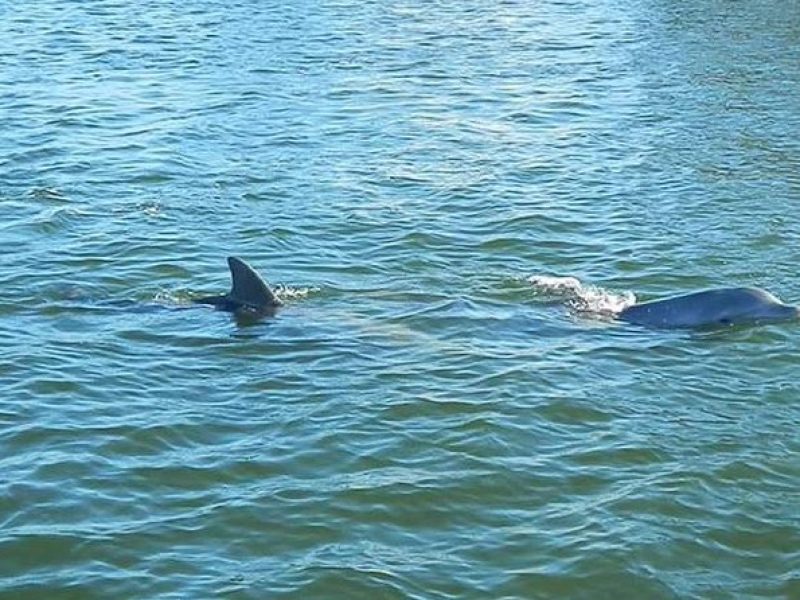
(710, 308)
(751, 304)
(779, 311)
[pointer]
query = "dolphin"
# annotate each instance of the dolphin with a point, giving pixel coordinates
(249, 293)
(725, 306)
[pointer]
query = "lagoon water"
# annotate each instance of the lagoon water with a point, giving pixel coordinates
(420, 421)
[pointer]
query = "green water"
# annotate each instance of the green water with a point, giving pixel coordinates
(418, 421)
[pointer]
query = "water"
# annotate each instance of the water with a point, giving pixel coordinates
(419, 421)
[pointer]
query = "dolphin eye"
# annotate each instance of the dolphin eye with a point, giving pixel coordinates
(725, 321)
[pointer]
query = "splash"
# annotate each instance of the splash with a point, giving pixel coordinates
(582, 298)
(285, 292)
(172, 297)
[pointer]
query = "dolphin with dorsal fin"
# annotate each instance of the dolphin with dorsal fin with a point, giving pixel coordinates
(709, 308)
(249, 292)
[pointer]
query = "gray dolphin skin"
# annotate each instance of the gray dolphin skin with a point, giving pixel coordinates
(719, 307)
(249, 292)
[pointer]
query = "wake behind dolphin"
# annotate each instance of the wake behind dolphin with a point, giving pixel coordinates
(708, 308)
(249, 292)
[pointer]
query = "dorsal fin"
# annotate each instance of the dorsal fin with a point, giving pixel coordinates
(248, 288)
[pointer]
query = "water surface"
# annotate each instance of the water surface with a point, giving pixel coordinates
(418, 422)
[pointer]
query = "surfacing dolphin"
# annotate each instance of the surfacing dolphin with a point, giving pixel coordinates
(726, 306)
(249, 293)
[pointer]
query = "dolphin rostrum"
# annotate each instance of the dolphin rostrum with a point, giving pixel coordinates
(249, 292)
(726, 306)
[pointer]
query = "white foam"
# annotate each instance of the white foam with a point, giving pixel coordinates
(285, 292)
(554, 285)
(582, 298)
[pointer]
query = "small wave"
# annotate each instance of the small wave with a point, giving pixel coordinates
(48, 194)
(582, 298)
(53, 220)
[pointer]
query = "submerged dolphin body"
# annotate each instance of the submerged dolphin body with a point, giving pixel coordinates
(726, 306)
(249, 292)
